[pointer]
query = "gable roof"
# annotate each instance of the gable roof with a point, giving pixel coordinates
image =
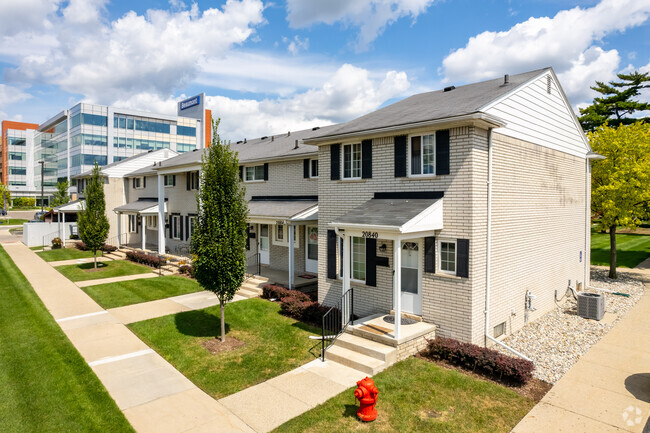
(126, 166)
(430, 106)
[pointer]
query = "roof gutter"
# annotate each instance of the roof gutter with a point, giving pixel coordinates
(478, 117)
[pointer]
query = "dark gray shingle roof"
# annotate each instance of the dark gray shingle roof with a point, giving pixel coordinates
(278, 209)
(137, 206)
(385, 212)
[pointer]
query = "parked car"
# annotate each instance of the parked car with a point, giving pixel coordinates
(39, 215)
(3, 212)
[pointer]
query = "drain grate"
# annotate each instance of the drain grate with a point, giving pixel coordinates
(404, 321)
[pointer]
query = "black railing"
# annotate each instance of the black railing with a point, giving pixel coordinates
(336, 319)
(253, 265)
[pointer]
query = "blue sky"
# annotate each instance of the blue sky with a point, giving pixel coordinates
(268, 67)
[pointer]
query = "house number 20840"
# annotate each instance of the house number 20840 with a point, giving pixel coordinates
(371, 235)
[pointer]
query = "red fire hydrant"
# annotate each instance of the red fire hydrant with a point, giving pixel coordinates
(366, 393)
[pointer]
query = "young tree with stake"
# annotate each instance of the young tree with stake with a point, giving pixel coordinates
(92, 221)
(219, 237)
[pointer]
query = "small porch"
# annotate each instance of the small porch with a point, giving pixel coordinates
(381, 328)
(143, 216)
(279, 277)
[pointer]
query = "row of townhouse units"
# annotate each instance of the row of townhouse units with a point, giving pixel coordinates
(452, 207)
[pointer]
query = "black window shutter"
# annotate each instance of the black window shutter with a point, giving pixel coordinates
(170, 219)
(188, 177)
(173, 180)
(335, 160)
(366, 159)
(133, 184)
(462, 267)
(241, 172)
(430, 254)
(400, 156)
(331, 254)
(442, 152)
(137, 224)
(248, 238)
(181, 228)
(305, 168)
(187, 228)
(371, 262)
(144, 181)
(266, 171)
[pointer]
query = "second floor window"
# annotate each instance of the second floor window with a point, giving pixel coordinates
(313, 168)
(254, 173)
(422, 153)
(352, 161)
(138, 183)
(170, 180)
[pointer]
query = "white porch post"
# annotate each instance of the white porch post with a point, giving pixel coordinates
(346, 273)
(397, 286)
(59, 224)
(291, 264)
(144, 232)
(63, 234)
(161, 215)
(119, 229)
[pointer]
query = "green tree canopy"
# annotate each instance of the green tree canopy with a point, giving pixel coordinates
(219, 237)
(620, 183)
(92, 222)
(5, 195)
(617, 103)
(61, 196)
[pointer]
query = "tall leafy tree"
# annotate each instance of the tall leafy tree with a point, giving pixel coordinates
(617, 104)
(621, 183)
(92, 221)
(5, 196)
(61, 196)
(219, 237)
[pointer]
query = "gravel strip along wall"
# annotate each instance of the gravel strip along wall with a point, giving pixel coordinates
(557, 340)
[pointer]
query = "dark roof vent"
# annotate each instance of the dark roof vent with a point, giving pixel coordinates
(296, 146)
(240, 142)
(289, 134)
(273, 138)
(506, 79)
(194, 150)
(244, 141)
(265, 137)
(315, 128)
(449, 89)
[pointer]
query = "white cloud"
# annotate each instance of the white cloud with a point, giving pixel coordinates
(295, 45)
(370, 16)
(565, 42)
(10, 95)
(25, 15)
(157, 52)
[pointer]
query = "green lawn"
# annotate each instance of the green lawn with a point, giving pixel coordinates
(631, 249)
(35, 248)
(418, 396)
(113, 295)
(66, 254)
(275, 344)
(11, 222)
(45, 385)
(116, 268)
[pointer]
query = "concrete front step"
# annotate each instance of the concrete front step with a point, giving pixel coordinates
(367, 347)
(247, 293)
(252, 287)
(356, 360)
(257, 281)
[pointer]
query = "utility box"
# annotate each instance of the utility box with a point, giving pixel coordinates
(591, 305)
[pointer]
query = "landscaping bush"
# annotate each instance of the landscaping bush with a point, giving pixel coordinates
(270, 291)
(296, 304)
(57, 243)
(481, 359)
(106, 248)
(24, 202)
(187, 270)
(145, 259)
(81, 246)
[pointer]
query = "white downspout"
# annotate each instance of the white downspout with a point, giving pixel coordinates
(345, 266)
(488, 255)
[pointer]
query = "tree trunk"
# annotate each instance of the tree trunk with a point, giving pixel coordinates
(95, 253)
(223, 321)
(612, 252)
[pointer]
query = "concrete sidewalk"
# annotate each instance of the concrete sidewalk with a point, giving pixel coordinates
(608, 389)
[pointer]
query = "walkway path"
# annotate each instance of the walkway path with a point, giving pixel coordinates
(608, 389)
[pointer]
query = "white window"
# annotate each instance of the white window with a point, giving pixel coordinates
(138, 182)
(313, 168)
(193, 180)
(191, 223)
(152, 221)
(175, 222)
(422, 154)
(358, 258)
(170, 180)
(281, 236)
(133, 223)
(254, 173)
(352, 161)
(447, 257)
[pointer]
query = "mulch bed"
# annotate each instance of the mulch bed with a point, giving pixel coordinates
(215, 346)
(535, 389)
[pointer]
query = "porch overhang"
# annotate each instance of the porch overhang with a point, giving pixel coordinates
(282, 211)
(74, 206)
(153, 210)
(140, 206)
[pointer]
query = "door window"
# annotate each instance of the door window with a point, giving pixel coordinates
(264, 237)
(312, 243)
(410, 267)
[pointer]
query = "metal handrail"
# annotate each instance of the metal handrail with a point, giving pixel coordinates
(336, 320)
(253, 260)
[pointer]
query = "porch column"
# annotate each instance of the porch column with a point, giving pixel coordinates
(397, 286)
(144, 232)
(58, 219)
(290, 228)
(161, 215)
(63, 237)
(119, 229)
(346, 273)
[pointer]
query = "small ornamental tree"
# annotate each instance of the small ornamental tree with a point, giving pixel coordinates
(620, 194)
(219, 237)
(61, 196)
(5, 196)
(92, 221)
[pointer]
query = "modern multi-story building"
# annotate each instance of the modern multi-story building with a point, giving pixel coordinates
(72, 141)
(16, 157)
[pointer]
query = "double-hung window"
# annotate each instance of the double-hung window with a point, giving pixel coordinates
(138, 183)
(352, 161)
(422, 155)
(170, 180)
(175, 222)
(152, 221)
(357, 258)
(133, 223)
(190, 227)
(447, 256)
(254, 173)
(281, 236)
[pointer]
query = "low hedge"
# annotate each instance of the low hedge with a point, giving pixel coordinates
(296, 304)
(270, 291)
(146, 259)
(186, 269)
(106, 248)
(480, 359)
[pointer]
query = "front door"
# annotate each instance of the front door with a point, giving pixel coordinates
(311, 259)
(411, 279)
(264, 244)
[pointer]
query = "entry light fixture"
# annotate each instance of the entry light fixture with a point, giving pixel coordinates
(382, 248)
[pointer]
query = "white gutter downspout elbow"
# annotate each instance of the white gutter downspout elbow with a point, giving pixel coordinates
(488, 256)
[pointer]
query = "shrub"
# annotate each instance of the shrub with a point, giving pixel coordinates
(24, 202)
(145, 259)
(57, 243)
(186, 269)
(109, 248)
(81, 246)
(481, 359)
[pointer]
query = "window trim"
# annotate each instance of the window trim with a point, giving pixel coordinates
(343, 146)
(194, 180)
(141, 182)
(285, 242)
(191, 222)
(173, 177)
(408, 155)
(175, 227)
(254, 172)
(150, 218)
(339, 274)
(133, 223)
(311, 168)
(439, 256)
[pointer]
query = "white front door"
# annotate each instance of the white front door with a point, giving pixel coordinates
(411, 278)
(264, 244)
(311, 253)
